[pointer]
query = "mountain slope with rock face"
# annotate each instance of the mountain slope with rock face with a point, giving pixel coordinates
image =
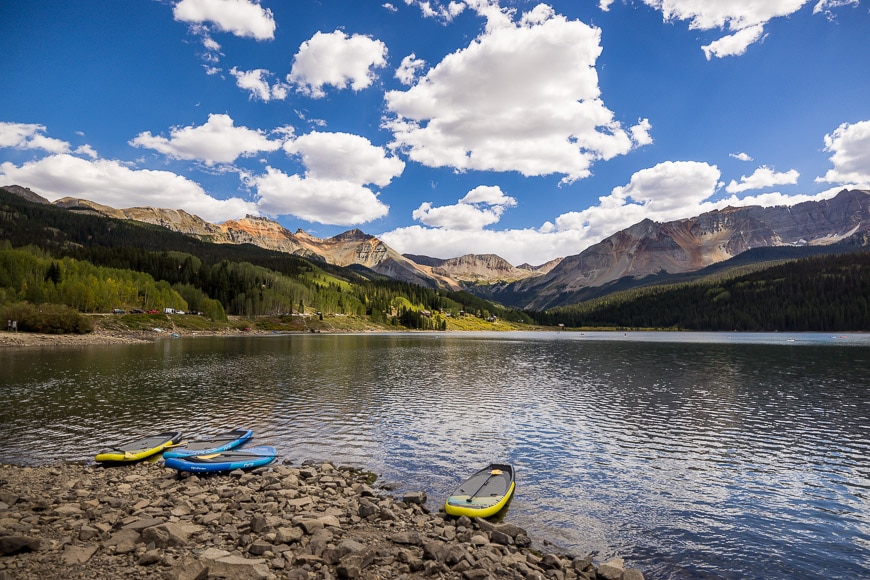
(353, 247)
(481, 268)
(691, 244)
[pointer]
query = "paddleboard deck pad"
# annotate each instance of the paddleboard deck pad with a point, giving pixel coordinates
(213, 444)
(224, 460)
(139, 449)
(483, 494)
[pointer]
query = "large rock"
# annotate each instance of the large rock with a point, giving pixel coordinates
(10, 545)
(223, 564)
(169, 534)
(352, 565)
(73, 555)
(612, 569)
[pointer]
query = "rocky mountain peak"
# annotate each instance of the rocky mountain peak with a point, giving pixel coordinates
(688, 245)
(354, 235)
(26, 193)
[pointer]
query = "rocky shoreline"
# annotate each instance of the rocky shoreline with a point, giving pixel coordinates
(312, 521)
(102, 337)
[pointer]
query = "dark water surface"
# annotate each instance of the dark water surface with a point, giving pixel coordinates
(689, 455)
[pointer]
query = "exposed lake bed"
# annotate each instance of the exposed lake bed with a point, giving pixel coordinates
(689, 455)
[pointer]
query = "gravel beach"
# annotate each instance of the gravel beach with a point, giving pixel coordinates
(70, 520)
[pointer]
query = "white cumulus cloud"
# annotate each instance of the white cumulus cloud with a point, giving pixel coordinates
(339, 168)
(763, 177)
(409, 68)
(344, 157)
(850, 148)
(445, 11)
(218, 141)
(316, 200)
(338, 60)
(30, 136)
(744, 19)
(522, 97)
(482, 206)
(244, 18)
(734, 44)
(256, 82)
(115, 184)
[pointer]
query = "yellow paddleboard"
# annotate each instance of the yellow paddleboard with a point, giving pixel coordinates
(483, 494)
(139, 449)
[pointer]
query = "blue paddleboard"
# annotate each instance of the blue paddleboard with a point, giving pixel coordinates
(212, 444)
(223, 460)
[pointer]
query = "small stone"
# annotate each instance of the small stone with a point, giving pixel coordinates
(258, 524)
(632, 574)
(551, 562)
(416, 497)
(123, 541)
(501, 538)
(88, 533)
(407, 538)
(479, 540)
(288, 535)
(259, 548)
(150, 557)
(68, 509)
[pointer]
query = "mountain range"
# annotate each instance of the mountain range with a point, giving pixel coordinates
(645, 250)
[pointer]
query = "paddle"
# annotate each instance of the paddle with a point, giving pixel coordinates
(482, 485)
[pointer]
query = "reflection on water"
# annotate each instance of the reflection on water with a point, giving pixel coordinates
(690, 455)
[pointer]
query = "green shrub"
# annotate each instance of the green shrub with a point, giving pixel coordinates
(47, 318)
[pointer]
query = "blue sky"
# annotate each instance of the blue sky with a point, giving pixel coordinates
(524, 129)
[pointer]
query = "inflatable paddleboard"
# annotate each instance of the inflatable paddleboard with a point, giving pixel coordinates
(139, 449)
(483, 494)
(214, 444)
(224, 460)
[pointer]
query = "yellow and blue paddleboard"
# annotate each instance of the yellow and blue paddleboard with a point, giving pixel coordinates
(213, 444)
(483, 494)
(139, 449)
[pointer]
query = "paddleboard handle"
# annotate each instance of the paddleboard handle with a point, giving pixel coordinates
(491, 473)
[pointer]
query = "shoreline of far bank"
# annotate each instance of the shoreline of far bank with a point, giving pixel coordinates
(111, 329)
(109, 337)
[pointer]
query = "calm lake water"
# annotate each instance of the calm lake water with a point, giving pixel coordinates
(689, 455)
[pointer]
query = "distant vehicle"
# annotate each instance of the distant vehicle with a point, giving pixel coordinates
(152, 311)
(169, 311)
(118, 311)
(136, 311)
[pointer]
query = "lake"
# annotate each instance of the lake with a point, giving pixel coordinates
(691, 455)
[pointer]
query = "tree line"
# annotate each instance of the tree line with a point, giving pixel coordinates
(824, 293)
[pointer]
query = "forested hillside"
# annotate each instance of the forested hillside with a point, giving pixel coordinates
(822, 293)
(96, 264)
